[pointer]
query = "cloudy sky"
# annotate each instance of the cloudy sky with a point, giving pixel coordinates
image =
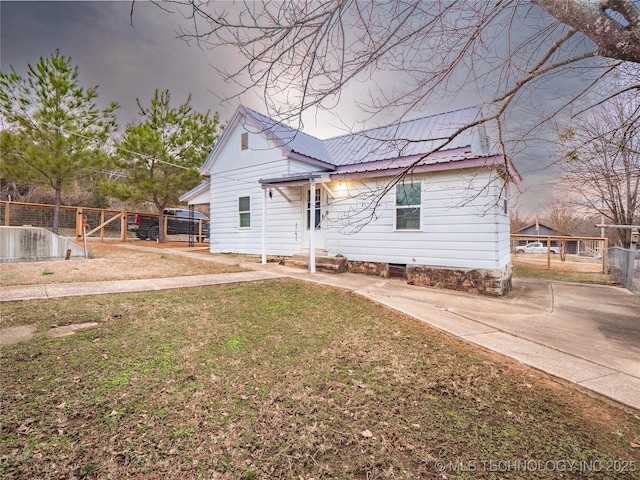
(125, 61)
(129, 61)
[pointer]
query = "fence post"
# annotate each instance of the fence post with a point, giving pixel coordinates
(605, 256)
(123, 227)
(7, 221)
(102, 223)
(79, 233)
(548, 253)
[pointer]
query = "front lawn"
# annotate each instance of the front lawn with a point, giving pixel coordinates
(284, 379)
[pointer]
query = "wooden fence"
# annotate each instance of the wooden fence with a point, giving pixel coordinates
(591, 246)
(72, 220)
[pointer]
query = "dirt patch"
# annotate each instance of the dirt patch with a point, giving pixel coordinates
(171, 244)
(11, 335)
(67, 330)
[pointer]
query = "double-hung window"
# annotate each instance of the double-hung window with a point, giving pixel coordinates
(408, 203)
(244, 212)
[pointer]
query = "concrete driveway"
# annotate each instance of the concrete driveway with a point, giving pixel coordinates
(588, 321)
(587, 334)
(595, 322)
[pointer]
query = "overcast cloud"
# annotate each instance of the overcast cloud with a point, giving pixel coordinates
(129, 62)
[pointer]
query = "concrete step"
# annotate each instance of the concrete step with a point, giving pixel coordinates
(324, 263)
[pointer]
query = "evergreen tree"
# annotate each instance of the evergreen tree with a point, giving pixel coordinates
(162, 154)
(53, 133)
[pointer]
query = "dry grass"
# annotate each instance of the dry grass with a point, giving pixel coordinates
(110, 261)
(281, 379)
(574, 269)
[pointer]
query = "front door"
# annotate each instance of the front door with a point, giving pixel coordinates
(314, 213)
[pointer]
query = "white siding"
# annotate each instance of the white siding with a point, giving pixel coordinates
(503, 225)
(235, 173)
(461, 226)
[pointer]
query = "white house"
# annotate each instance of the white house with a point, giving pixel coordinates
(443, 222)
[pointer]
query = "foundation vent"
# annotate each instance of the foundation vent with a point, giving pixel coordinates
(397, 270)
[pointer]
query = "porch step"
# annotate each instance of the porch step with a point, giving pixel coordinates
(324, 263)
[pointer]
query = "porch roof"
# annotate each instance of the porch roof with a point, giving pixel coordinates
(199, 195)
(295, 180)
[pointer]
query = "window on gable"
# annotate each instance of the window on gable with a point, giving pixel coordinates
(244, 212)
(244, 141)
(408, 206)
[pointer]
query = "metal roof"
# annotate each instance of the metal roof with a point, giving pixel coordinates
(404, 139)
(289, 138)
(410, 161)
(422, 141)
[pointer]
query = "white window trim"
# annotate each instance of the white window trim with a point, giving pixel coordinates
(244, 211)
(396, 207)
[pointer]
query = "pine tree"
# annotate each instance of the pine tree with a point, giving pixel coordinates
(161, 155)
(53, 132)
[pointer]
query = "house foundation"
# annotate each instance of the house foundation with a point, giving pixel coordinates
(494, 282)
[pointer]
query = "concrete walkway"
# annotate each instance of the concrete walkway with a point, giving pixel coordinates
(586, 334)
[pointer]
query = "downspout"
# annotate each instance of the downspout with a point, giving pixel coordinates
(312, 225)
(264, 226)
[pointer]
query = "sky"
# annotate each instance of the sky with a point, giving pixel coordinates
(128, 62)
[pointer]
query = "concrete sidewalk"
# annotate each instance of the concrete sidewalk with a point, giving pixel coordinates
(586, 334)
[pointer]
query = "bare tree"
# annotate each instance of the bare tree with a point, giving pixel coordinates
(613, 25)
(563, 220)
(601, 161)
(518, 221)
(303, 55)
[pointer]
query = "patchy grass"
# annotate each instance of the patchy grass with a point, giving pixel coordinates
(111, 261)
(283, 379)
(535, 267)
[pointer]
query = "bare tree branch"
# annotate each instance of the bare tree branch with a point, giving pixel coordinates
(303, 55)
(601, 160)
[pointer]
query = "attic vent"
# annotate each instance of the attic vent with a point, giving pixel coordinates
(244, 141)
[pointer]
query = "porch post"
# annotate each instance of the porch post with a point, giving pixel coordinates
(264, 226)
(312, 225)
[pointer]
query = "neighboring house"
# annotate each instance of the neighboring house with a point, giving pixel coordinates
(536, 229)
(571, 246)
(443, 224)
